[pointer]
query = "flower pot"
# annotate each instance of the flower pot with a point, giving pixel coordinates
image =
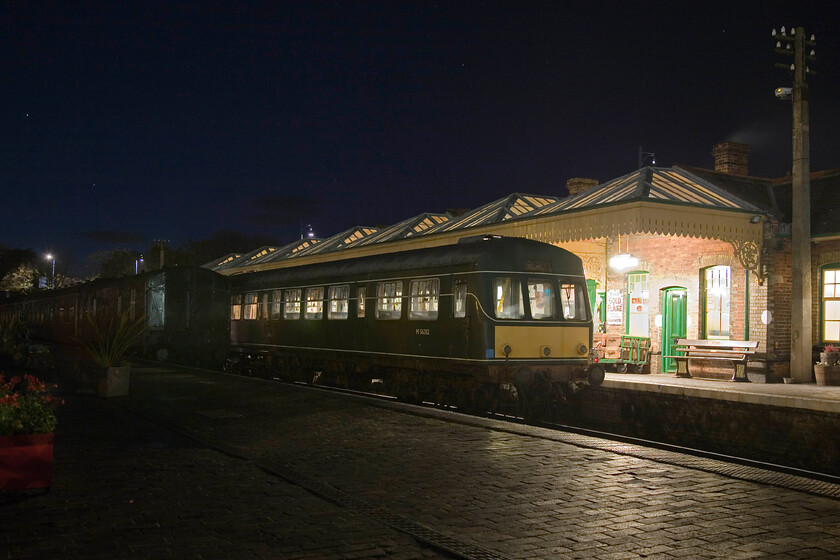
(829, 358)
(827, 375)
(115, 383)
(26, 462)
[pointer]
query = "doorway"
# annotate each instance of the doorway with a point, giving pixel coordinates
(674, 323)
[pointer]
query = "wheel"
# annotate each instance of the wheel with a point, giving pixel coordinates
(621, 368)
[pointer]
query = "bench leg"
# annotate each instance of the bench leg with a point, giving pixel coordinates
(740, 372)
(682, 368)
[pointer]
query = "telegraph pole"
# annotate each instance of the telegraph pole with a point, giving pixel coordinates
(801, 325)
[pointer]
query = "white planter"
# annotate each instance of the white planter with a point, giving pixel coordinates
(116, 382)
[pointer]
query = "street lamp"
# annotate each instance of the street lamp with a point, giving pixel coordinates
(643, 157)
(137, 264)
(50, 257)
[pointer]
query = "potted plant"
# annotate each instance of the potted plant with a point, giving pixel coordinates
(107, 344)
(827, 371)
(27, 422)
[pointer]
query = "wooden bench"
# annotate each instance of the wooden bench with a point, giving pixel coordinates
(737, 352)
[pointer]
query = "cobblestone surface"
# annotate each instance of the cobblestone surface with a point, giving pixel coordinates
(130, 483)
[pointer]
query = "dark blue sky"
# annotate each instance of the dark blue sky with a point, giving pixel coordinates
(122, 124)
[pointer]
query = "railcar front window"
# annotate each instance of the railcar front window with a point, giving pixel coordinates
(541, 298)
(291, 309)
(314, 303)
(573, 301)
(235, 307)
(424, 299)
(389, 300)
(339, 298)
(249, 309)
(508, 298)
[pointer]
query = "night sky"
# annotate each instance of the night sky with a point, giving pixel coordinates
(123, 124)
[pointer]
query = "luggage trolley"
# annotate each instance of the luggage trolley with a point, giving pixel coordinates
(621, 353)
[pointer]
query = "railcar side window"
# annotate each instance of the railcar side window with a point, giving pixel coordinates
(339, 297)
(314, 303)
(460, 297)
(235, 307)
(360, 303)
(276, 304)
(249, 307)
(572, 300)
(389, 300)
(541, 297)
(292, 304)
(423, 304)
(508, 298)
(263, 310)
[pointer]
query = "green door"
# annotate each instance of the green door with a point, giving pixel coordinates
(674, 314)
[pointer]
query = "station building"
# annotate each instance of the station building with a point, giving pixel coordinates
(669, 252)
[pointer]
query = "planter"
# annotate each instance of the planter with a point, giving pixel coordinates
(115, 383)
(829, 358)
(827, 375)
(26, 462)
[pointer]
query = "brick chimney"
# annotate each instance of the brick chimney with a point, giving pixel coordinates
(576, 185)
(731, 157)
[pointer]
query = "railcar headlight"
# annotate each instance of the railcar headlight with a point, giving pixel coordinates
(545, 351)
(506, 350)
(582, 349)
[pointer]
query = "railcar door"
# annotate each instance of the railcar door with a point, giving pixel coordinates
(361, 330)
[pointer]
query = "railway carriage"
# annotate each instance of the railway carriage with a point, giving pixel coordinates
(454, 324)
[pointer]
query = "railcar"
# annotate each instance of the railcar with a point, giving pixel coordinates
(184, 312)
(455, 324)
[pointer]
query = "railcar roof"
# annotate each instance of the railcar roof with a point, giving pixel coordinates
(485, 253)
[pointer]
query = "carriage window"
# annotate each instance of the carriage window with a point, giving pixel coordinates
(508, 298)
(314, 303)
(360, 304)
(276, 304)
(235, 308)
(572, 300)
(541, 297)
(249, 307)
(263, 310)
(339, 296)
(460, 297)
(389, 300)
(424, 299)
(291, 309)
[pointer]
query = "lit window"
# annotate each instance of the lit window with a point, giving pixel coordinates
(508, 298)
(277, 304)
(291, 304)
(541, 298)
(339, 297)
(573, 300)
(235, 307)
(249, 307)
(831, 304)
(360, 304)
(424, 299)
(314, 303)
(389, 300)
(717, 302)
(460, 306)
(638, 299)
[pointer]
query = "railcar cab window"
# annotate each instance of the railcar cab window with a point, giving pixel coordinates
(573, 300)
(314, 303)
(339, 297)
(276, 304)
(360, 304)
(541, 298)
(508, 298)
(423, 303)
(389, 300)
(291, 308)
(236, 307)
(460, 297)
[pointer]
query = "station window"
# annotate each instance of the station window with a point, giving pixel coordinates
(573, 300)
(291, 309)
(541, 298)
(508, 298)
(460, 299)
(235, 307)
(423, 302)
(249, 306)
(314, 303)
(276, 304)
(360, 304)
(339, 297)
(389, 300)
(638, 308)
(716, 296)
(831, 303)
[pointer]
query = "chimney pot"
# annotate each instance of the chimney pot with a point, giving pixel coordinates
(731, 157)
(577, 185)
